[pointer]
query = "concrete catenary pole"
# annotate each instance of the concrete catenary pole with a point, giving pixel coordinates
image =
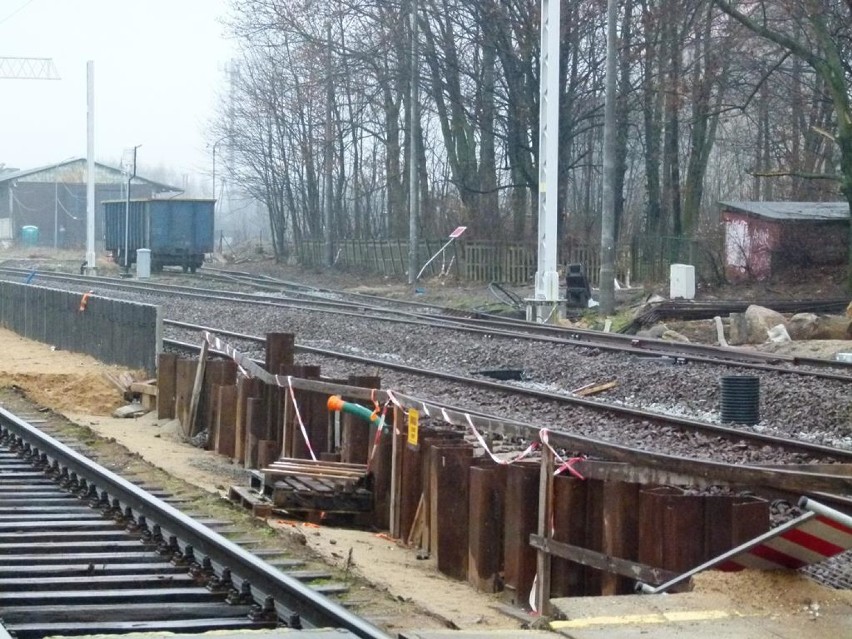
(413, 168)
(546, 300)
(329, 158)
(607, 273)
(91, 257)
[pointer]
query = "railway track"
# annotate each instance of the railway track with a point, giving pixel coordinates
(88, 552)
(638, 417)
(297, 297)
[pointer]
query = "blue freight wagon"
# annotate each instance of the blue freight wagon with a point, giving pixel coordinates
(177, 231)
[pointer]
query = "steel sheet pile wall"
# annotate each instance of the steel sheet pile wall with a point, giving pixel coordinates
(113, 331)
(594, 532)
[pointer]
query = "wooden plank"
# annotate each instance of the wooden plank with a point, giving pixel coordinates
(185, 369)
(320, 463)
(592, 389)
(602, 561)
(192, 414)
(417, 525)
(315, 472)
(396, 471)
(545, 515)
(144, 388)
(324, 469)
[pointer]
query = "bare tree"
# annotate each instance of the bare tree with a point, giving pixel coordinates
(818, 32)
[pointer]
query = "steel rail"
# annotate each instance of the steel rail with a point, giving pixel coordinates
(614, 342)
(290, 595)
(596, 405)
(773, 477)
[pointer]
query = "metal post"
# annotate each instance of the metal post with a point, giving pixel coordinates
(55, 214)
(413, 168)
(91, 258)
(329, 98)
(544, 305)
(607, 272)
(127, 212)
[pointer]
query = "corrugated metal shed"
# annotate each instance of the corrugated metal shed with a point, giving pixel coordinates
(802, 211)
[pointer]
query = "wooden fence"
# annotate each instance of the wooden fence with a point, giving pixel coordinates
(643, 259)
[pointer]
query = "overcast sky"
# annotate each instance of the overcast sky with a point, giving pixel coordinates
(159, 72)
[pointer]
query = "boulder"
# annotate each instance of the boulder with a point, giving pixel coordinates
(655, 332)
(674, 336)
(833, 327)
(849, 311)
(752, 327)
(802, 326)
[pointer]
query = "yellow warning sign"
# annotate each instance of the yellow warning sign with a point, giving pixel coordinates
(413, 425)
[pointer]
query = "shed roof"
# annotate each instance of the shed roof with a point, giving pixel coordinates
(816, 211)
(16, 175)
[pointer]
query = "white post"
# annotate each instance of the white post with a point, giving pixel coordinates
(546, 300)
(91, 258)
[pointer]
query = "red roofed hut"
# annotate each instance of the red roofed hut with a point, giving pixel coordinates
(760, 237)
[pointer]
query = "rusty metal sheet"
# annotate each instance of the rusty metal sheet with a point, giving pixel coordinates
(355, 432)
(449, 501)
(521, 516)
(166, 379)
(381, 469)
(569, 526)
(620, 532)
(485, 532)
(731, 520)
(651, 503)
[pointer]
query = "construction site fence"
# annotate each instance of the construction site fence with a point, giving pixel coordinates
(116, 332)
(643, 259)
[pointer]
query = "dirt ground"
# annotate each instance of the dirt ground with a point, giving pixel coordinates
(77, 387)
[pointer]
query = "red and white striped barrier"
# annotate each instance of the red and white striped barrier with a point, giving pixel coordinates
(818, 534)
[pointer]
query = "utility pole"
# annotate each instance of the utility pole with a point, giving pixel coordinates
(130, 176)
(413, 168)
(329, 144)
(545, 304)
(91, 257)
(607, 272)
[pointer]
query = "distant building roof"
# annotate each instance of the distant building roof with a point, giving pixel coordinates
(18, 174)
(816, 211)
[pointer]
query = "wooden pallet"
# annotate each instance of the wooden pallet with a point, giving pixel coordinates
(331, 487)
(250, 500)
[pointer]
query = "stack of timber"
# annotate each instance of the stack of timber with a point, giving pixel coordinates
(306, 486)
